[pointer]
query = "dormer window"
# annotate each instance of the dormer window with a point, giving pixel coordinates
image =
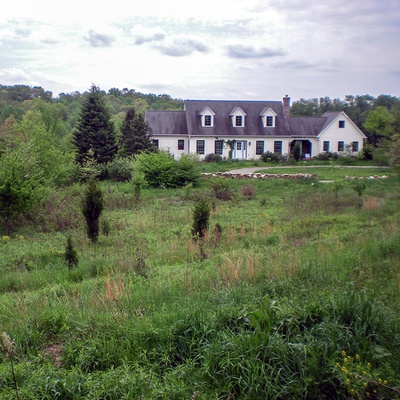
(268, 117)
(207, 117)
(238, 117)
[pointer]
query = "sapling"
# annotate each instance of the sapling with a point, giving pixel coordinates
(71, 255)
(92, 208)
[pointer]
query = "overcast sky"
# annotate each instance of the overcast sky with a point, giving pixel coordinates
(210, 49)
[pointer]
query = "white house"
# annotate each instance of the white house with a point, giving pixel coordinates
(246, 129)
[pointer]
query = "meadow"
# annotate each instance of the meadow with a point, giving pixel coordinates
(294, 293)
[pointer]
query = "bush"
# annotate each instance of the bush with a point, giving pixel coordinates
(120, 169)
(327, 156)
(221, 189)
(162, 170)
(71, 256)
(201, 216)
(297, 151)
(268, 156)
(92, 208)
(213, 158)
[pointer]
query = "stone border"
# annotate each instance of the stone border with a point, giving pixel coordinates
(258, 175)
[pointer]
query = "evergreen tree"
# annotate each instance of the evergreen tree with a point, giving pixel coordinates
(95, 131)
(92, 208)
(134, 134)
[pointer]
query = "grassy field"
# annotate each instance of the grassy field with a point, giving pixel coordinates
(295, 294)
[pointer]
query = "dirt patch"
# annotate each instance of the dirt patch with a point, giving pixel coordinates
(54, 353)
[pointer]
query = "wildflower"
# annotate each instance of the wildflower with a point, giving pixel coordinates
(343, 353)
(357, 357)
(5, 238)
(8, 344)
(20, 237)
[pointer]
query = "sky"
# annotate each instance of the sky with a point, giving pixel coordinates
(211, 49)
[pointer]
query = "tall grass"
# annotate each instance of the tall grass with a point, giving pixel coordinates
(290, 288)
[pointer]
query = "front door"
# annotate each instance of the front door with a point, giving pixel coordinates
(240, 149)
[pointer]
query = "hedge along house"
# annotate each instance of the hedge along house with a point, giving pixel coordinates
(246, 129)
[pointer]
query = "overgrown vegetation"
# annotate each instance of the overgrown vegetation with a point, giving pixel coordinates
(297, 297)
(190, 287)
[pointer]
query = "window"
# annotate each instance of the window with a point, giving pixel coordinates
(155, 142)
(355, 146)
(207, 120)
(326, 146)
(278, 146)
(181, 144)
(207, 117)
(239, 146)
(259, 147)
(200, 144)
(340, 146)
(268, 117)
(238, 120)
(342, 124)
(218, 147)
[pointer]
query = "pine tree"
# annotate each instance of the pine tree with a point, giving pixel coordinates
(134, 135)
(92, 208)
(94, 130)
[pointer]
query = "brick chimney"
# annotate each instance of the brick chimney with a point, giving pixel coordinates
(286, 107)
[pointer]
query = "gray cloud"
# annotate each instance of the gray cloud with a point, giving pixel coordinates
(240, 51)
(146, 35)
(97, 39)
(180, 47)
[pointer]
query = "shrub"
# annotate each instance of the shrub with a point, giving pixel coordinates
(71, 256)
(120, 169)
(367, 152)
(221, 189)
(162, 170)
(92, 208)
(201, 216)
(248, 191)
(213, 158)
(297, 151)
(187, 171)
(268, 156)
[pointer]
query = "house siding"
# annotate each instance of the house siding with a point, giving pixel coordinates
(170, 126)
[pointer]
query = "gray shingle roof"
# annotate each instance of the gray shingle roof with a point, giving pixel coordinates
(223, 124)
(188, 122)
(166, 122)
(306, 126)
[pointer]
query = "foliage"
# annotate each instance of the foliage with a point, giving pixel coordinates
(145, 317)
(394, 151)
(71, 255)
(221, 190)
(379, 124)
(268, 156)
(162, 170)
(94, 130)
(92, 208)
(201, 218)
(187, 171)
(327, 156)
(297, 151)
(120, 169)
(213, 158)
(134, 137)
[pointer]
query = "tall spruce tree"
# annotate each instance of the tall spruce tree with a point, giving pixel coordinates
(95, 131)
(134, 136)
